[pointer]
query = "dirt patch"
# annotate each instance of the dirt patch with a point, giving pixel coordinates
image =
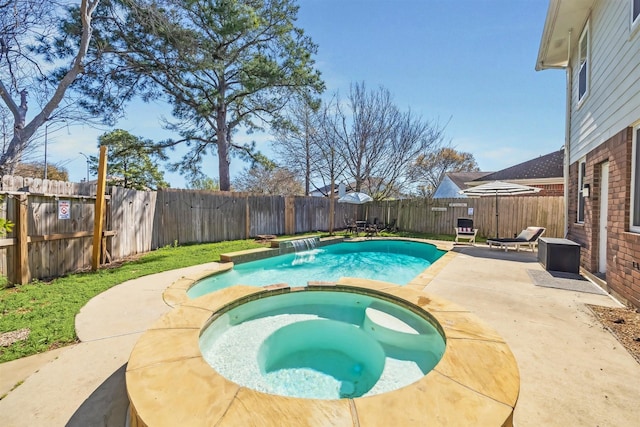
(8, 338)
(624, 324)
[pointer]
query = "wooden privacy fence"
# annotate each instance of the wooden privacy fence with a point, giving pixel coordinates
(192, 216)
(39, 245)
(439, 216)
(52, 235)
(187, 216)
(46, 243)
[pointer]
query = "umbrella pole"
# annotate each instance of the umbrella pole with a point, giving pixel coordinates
(497, 214)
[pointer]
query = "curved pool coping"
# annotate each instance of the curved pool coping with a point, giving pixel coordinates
(176, 293)
(169, 383)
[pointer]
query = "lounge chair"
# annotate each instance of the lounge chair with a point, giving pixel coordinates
(528, 237)
(465, 230)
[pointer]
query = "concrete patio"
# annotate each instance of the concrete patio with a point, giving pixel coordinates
(573, 372)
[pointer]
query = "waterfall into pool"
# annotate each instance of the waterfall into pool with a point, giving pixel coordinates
(305, 250)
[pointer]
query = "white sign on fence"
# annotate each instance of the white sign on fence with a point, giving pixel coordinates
(457, 205)
(435, 209)
(470, 211)
(64, 209)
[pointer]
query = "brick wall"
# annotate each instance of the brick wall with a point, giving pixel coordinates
(623, 247)
(551, 190)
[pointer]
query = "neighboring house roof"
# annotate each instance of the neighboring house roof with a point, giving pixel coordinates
(544, 169)
(324, 191)
(565, 19)
(460, 178)
(453, 182)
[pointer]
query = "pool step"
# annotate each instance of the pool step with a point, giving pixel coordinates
(387, 321)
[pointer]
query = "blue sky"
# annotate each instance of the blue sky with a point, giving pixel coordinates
(468, 63)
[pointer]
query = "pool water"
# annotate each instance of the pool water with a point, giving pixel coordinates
(322, 345)
(393, 261)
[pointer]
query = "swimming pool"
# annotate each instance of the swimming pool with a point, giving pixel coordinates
(394, 261)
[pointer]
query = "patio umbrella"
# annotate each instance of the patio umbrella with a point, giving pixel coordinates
(355, 198)
(498, 188)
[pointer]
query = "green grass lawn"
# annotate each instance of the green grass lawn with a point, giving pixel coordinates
(49, 309)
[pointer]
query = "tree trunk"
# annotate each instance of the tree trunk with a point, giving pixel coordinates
(21, 133)
(223, 136)
(12, 156)
(307, 170)
(332, 205)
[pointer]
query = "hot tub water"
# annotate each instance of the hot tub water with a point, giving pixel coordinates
(322, 344)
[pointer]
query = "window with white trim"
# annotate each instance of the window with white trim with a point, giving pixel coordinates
(582, 169)
(583, 65)
(635, 181)
(635, 11)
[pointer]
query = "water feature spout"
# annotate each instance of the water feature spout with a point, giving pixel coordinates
(305, 244)
(305, 250)
(299, 245)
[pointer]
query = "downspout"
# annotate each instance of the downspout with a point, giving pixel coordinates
(567, 137)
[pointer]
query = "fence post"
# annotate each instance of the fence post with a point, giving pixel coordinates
(247, 219)
(21, 268)
(289, 215)
(99, 209)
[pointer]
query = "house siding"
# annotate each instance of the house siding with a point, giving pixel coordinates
(623, 247)
(613, 99)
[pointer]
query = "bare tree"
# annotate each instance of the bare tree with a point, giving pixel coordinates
(328, 163)
(27, 60)
(5, 128)
(366, 141)
(377, 141)
(270, 181)
(294, 138)
(326, 160)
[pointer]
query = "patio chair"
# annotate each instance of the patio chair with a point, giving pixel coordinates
(465, 230)
(373, 228)
(349, 225)
(527, 237)
(391, 226)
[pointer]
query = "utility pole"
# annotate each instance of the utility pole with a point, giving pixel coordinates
(46, 133)
(87, 157)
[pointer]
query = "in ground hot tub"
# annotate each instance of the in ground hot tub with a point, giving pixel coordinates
(476, 381)
(323, 344)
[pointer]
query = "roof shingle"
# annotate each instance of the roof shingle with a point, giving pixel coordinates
(547, 166)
